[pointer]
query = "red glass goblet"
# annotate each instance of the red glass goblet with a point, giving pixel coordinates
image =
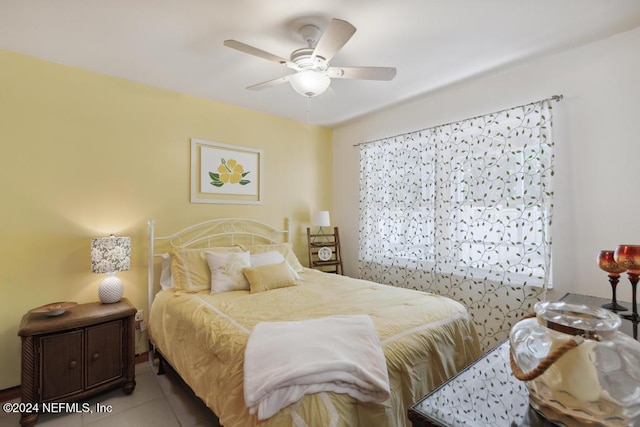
(607, 263)
(628, 256)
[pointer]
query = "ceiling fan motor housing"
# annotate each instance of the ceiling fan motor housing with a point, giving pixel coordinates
(302, 58)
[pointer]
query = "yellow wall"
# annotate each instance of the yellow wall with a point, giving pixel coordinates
(85, 155)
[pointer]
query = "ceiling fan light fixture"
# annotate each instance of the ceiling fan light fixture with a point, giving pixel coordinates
(310, 83)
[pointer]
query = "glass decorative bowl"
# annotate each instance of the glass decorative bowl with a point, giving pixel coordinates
(596, 383)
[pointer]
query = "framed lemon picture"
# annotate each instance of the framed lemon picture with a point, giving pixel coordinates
(224, 173)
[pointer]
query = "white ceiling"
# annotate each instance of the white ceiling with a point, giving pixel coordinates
(177, 44)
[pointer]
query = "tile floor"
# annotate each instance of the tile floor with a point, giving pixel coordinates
(157, 401)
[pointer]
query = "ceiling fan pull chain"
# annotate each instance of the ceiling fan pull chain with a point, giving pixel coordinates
(308, 102)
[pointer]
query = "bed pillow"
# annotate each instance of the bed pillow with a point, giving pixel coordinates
(285, 250)
(271, 257)
(189, 268)
(269, 276)
(166, 279)
(226, 271)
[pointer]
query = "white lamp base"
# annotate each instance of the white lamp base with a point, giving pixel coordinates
(111, 289)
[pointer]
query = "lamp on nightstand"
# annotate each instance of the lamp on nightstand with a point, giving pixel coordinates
(110, 255)
(321, 219)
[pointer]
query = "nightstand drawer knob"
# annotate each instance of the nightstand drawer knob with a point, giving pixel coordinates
(73, 364)
(95, 356)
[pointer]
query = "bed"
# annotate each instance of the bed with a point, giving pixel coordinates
(238, 339)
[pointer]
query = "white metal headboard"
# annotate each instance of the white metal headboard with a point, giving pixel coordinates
(215, 232)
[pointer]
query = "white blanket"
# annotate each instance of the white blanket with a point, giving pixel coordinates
(286, 360)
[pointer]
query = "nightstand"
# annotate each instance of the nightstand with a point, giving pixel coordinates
(84, 351)
(324, 251)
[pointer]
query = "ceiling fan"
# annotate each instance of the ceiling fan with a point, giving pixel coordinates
(311, 64)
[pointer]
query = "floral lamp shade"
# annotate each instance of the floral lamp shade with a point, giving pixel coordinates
(110, 255)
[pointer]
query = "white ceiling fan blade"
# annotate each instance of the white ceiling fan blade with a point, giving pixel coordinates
(334, 37)
(270, 83)
(362, 73)
(243, 47)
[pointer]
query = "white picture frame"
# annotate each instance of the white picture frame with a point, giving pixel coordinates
(225, 173)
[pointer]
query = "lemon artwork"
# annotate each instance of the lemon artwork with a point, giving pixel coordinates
(229, 172)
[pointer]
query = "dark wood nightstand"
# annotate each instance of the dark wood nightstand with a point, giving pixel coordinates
(486, 392)
(86, 350)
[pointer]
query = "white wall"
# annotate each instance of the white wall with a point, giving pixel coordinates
(597, 162)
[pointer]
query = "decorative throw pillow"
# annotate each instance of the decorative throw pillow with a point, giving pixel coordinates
(189, 268)
(271, 257)
(166, 280)
(284, 248)
(226, 271)
(269, 276)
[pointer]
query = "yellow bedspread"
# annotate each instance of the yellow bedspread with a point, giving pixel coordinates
(426, 339)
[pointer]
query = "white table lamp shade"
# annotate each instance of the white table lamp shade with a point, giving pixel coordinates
(110, 255)
(321, 218)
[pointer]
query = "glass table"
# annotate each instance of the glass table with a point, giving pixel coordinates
(486, 393)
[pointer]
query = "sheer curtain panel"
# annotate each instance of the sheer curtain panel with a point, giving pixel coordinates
(463, 210)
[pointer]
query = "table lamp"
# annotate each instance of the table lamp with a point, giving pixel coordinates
(321, 219)
(110, 255)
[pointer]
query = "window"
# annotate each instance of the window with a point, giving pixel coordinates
(470, 198)
(463, 210)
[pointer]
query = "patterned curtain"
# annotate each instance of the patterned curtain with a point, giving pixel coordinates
(463, 210)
